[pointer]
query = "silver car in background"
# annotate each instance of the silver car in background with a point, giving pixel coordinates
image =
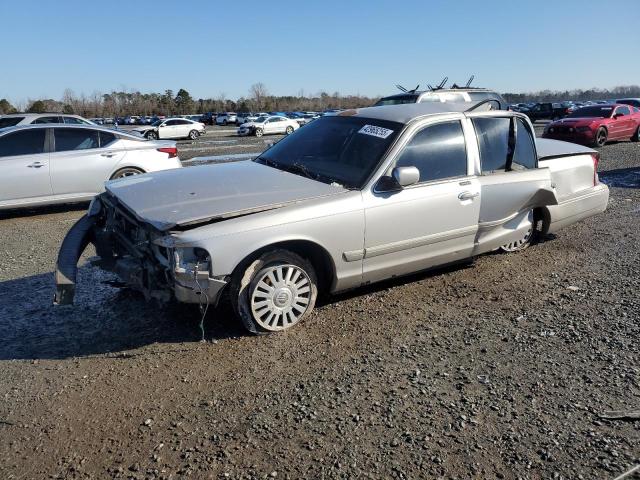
(46, 164)
(348, 200)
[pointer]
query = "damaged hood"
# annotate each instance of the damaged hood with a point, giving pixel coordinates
(189, 196)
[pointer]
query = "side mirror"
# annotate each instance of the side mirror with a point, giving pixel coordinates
(406, 176)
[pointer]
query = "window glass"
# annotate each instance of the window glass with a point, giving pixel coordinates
(345, 150)
(493, 142)
(437, 151)
(10, 121)
(623, 111)
(398, 100)
(24, 142)
(106, 138)
(453, 97)
(75, 139)
(41, 120)
(170, 123)
(524, 156)
(73, 121)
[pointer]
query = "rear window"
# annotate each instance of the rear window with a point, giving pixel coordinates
(396, 100)
(75, 139)
(10, 121)
(24, 142)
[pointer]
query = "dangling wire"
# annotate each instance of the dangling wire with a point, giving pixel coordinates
(202, 295)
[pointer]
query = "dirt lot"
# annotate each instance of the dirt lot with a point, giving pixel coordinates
(498, 370)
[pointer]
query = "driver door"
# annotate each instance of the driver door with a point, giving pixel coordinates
(168, 129)
(431, 223)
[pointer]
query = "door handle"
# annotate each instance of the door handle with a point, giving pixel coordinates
(467, 195)
(36, 165)
(108, 155)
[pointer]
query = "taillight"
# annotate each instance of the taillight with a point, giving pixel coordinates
(596, 159)
(172, 151)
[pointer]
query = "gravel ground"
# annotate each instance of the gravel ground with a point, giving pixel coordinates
(498, 370)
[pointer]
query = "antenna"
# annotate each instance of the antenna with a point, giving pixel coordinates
(401, 88)
(441, 85)
(469, 82)
(414, 90)
(429, 86)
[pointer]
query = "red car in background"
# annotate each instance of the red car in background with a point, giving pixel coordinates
(596, 125)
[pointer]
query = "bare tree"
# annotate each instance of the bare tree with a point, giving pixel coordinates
(257, 93)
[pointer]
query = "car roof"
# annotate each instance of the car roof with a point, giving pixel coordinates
(66, 125)
(406, 112)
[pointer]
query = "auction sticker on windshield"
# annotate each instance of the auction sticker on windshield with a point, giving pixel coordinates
(375, 131)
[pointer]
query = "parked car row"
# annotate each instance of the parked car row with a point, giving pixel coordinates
(558, 110)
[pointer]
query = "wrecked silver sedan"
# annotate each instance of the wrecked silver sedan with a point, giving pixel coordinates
(349, 200)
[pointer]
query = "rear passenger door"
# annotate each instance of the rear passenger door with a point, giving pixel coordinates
(82, 160)
(511, 184)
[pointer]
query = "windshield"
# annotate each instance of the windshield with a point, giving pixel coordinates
(344, 150)
(601, 112)
(156, 123)
(396, 100)
(260, 120)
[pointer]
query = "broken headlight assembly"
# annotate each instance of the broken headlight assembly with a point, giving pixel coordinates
(190, 260)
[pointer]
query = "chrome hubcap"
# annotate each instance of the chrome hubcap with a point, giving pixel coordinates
(280, 297)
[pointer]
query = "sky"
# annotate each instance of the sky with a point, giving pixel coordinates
(214, 48)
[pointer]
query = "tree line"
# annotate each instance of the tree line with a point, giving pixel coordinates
(258, 99)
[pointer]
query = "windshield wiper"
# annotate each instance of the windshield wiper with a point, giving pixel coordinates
(301, 168)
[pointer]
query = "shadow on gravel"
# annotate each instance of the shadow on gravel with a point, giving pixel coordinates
(48, 210)
(103, 320)
(622, 177)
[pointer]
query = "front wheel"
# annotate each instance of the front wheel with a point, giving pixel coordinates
(636, 137)
(275, 292)
(151, 136)
(259, 132)
(193, 134)
(289, 130)
(601, 137)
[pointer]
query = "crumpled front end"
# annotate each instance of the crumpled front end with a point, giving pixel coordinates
(143, 257)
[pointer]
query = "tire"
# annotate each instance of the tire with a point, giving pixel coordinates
(259, 132)
(151, 135)
(525, 241)
(600, 138)
(636, 137)
(126, 172)
(289, 130)
(274, 292)
(224, 123)
(193, 134)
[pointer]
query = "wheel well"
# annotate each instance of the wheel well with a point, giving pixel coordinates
(317, 255)
(542, 214)
(125, 168)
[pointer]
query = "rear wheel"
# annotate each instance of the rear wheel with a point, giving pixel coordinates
(601, 137)
(275, 291)
(193, 134)
(525, 241)
(259, 132)
(151, 135)
(126, 172)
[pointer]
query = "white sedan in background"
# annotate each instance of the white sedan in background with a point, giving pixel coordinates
(268, 125)
(173, 128)
(47, 164)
